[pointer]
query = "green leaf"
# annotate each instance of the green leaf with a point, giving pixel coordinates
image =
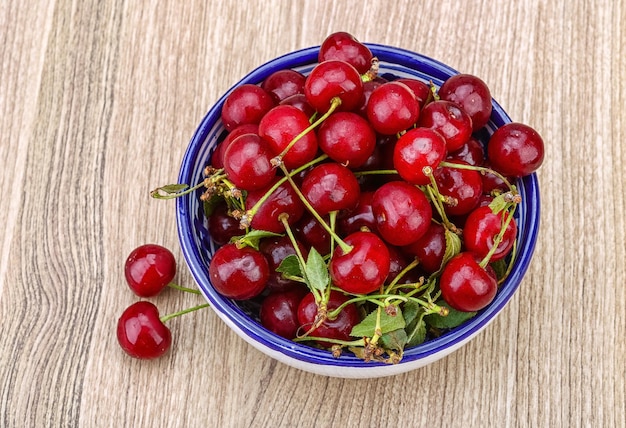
(417, 333)
(453, 319)
(173, 188)
(290, 266)
(316, 271)
(499, 203)
(367, 327)
(210, 204)
(396, 339)
(252, 238)
(453, 246)
(500, 267)
(411, 310)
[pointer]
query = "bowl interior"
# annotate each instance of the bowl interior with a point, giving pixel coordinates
(198, 248)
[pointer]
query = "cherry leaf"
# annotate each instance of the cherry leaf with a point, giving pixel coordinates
(416, 334)
(252, 238)
(395, 340)
(173, 188)
(453, 319)
(367, 327)
(316, 271)
(210, 204)
(453, 246)
(290, 266)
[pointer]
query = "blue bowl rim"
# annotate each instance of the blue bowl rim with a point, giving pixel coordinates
(529, 188)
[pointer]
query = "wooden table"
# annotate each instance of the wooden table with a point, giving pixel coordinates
(98, 100)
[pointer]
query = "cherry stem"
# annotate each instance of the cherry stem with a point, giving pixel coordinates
(403, 272)
(376, 172)
(344, 247)
(168, 317)
(483, 170)
(185, 289)
(334, 103)
(498, 238)
(163, 193)
(436, 197)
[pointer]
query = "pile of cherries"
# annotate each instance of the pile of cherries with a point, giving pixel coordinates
(362, 211)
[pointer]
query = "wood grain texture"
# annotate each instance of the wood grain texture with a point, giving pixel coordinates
(98, 100)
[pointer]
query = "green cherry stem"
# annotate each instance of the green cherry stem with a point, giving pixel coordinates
(168, 317)
(498, 238)
(483, 170)
(173, 191)
(185, 289)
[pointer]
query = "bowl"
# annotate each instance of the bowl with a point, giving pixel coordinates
(197, 246)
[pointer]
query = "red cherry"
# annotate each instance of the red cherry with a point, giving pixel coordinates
(280, 126)
(238, 273)
(430, 248)
(279, 312)
(275, 250)
(472, 94)
(331, 187)
(515, 150)
(343, 46)
(360, 217)
(480, 229)
(416, 149)
(464, 186)
(450, 120)
(217, 159)
(347, 138)
(283, 200)
(364, 268)
(222, 226)
(148, 269)
(313, 234)
(392, 108)
(247, 162)
(331, 79)
(300, 102)
(472, 152)
(245, 104)
(420, 89)
(402, 212)
(282, 84)
(140, 332)
(465, 285)
(338, 328)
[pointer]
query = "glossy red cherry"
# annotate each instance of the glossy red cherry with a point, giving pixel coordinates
(338, 328)
(283, 200)
(402, 212)
(280, 126)
(217, 159)
(347, 138)
(392, 108)
(343, 46)
(300, 102)
(279, 312)
(331, 187)
(472, 94)
(420, 89)
(515, 150)
(313, 234)
(481, 228)
(247, 162)
(148, 269)
(360, 217)
(223, 226)
(282, 84)
(448, 119)
(465, 285)
(364, 268)
(430, 248)
(416, 149)
(140, 332)
(245, 104)
(238, 273)
(275, 250)
(463, 186)
(331, 79)
(472, 152)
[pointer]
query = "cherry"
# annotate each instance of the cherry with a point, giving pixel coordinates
(492, 182)
(338, 328)
(472, 152)
(515, 150)
(300, 102)
(280, 126)
(275, 250)
(347, 138)
(364, 268)
(402, 212)
(360, 217)
(245, 104)
(397, 262)
(313, 234)
(429, 249)
(247, 162)
(148, 269)
(140, 332)
(482, 226)
(331, 187)
(222, 225)
(420, 89)
(447, 118)
(331, 79)
(416, 149)
(238, 273)
(392, 108)
(465, 285)
(343, 46)
(279, 312)
(217, 160)
(463, 186)
(282, 200)
(368, 88)
(472, 94)
(282, 84)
